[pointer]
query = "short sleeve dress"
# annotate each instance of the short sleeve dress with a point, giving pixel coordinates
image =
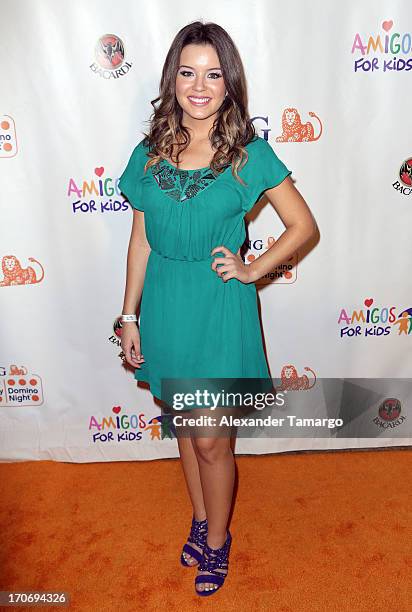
(193, 324)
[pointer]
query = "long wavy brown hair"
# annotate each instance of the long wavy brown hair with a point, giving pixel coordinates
(232, 128)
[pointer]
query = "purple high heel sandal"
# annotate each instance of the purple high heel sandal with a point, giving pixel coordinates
(198, 535)
(214, 559)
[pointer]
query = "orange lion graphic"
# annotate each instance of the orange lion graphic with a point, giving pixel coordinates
(292, 382)
(14, 274)
(293, 129)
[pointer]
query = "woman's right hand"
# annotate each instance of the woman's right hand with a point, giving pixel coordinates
(130, 344)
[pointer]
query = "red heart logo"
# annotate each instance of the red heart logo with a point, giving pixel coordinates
(99, 171)
(387, 25)
(116, 409)
(368, 302)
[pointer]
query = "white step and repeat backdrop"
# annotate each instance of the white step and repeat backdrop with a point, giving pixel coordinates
(329, 89)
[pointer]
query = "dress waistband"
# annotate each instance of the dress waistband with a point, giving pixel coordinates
(182, 259)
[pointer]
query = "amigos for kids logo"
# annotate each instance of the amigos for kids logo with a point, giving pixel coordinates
(284, 273)
(127, 427)
(98, 194)
(376, 321)
(375, 50)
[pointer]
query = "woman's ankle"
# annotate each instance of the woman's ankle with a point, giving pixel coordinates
(216, 541)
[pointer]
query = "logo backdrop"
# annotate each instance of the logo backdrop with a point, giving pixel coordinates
(328, 90)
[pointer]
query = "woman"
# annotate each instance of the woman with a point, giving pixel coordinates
(190, 182)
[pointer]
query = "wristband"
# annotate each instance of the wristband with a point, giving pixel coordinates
(128, 317)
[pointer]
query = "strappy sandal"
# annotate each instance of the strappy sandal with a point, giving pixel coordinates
(198, 535)
(213, 560)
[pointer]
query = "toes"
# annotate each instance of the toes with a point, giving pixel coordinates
(190, 560)
(206, 586)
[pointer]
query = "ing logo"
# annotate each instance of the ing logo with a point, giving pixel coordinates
(15, 274)
(293, 130)
(291, 381)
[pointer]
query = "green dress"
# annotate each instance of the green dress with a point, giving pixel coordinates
(192, 323)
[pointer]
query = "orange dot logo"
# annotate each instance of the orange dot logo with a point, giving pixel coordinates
(8, 144)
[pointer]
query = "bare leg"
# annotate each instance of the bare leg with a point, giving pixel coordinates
(217, 476)
(191, 472)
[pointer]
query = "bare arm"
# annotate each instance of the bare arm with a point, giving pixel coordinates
(300, 226)
(137, 256)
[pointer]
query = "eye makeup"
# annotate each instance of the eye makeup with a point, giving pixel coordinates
(214, 73)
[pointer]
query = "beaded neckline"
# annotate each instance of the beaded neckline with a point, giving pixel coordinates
(181, 185)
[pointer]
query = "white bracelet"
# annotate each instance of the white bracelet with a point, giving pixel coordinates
(128, 317)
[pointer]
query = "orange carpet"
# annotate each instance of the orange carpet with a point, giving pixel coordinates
(322, 531)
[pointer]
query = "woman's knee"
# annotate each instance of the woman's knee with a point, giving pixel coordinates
(211, 450)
